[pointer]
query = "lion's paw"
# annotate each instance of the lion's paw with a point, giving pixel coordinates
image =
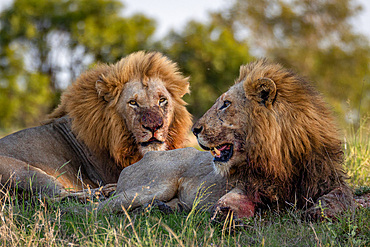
(162, 206)
(331, 205)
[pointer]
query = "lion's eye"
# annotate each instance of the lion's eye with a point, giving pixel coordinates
(133, 103)
(225, 105)
(162, 101)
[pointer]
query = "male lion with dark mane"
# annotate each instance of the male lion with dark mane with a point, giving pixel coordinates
(273, 136)
(107, 120)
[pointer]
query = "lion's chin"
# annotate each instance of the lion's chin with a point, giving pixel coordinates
(222, 168)
(222, 155)
(155, 146)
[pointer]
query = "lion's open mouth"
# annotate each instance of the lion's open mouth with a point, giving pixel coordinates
(151, 141)
(220, 153)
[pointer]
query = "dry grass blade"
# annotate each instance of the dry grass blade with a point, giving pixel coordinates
(318, 242)
(170, 231)
(131, 223)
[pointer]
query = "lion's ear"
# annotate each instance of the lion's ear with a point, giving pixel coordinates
(103, 90)
(263, 91)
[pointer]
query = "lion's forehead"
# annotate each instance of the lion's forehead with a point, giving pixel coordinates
(146, 93)
(235, 94)
(236, 90)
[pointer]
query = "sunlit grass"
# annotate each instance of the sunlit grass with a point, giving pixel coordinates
(72, 224)
(357, 154)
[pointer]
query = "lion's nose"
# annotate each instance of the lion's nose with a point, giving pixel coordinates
(197, 130)
(151, 121)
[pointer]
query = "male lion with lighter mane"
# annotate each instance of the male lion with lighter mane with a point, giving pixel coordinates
(107, 120)
(272, 134)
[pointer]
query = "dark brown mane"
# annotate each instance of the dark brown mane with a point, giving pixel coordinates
(301, 151)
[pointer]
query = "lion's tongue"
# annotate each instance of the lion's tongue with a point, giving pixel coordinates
(222, 148)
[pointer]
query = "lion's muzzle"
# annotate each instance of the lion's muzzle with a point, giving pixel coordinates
(153, 131)
(196, 130)
(152, 121)
(221, 153)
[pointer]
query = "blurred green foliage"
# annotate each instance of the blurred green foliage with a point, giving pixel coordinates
(211, 55)
(315, 38)
(46, 44)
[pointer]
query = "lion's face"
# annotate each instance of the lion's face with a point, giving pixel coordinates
(234, 128)
(221, 129)
(148, 112)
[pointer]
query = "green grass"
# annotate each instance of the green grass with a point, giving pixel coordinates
(34, 222)
(357, 155)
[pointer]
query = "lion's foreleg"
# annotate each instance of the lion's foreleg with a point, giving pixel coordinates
(20, 175)
(332, 204)
(131, 198)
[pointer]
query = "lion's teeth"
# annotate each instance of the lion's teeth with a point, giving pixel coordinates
(217, 151)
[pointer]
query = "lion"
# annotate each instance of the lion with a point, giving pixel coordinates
(272, 135)
(107, 120)
(176, 180)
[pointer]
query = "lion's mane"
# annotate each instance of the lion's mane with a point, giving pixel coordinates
(91, 104)
(293, 146)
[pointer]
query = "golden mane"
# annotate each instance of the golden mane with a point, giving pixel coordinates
(91, 104)
(298, 133)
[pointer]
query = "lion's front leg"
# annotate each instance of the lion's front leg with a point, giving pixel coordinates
(17, 173)
(332, 204)
(235, 202)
